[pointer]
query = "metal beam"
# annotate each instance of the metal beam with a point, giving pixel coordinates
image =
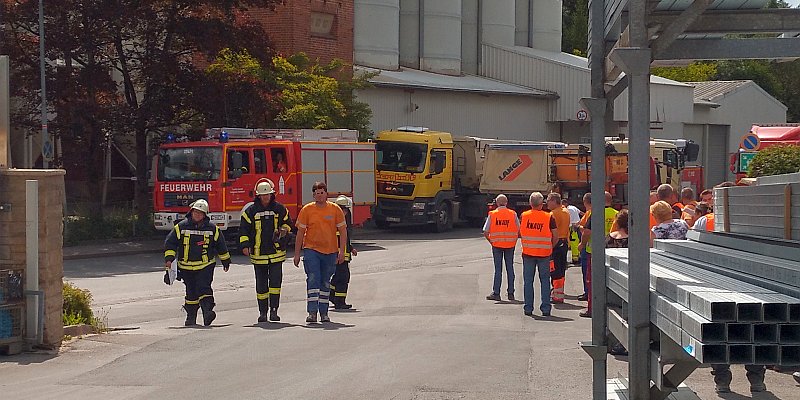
(679, 25)
(773, 20)
(613, 91)
(731, 49)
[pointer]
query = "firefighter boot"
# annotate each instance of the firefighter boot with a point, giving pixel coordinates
(273, 314)
(209, 315)
(191, 314)
(263, 306)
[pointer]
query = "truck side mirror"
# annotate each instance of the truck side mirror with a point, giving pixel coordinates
(692, 151)
(671, 159)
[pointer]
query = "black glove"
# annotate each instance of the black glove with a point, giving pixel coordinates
(166, 277)
(226, 264)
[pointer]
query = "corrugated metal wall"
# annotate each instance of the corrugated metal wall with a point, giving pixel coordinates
(463, 114)
(569, 81)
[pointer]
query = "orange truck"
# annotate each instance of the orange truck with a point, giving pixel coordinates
(225, 167)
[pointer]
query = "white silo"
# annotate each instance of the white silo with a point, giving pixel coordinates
(441, 36)
(376, 33)
(469, 36)
(499, 22)
(546, 15)
(409, 33)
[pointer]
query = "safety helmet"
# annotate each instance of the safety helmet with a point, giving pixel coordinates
(265, 186)
(200, 205)
(343, 201)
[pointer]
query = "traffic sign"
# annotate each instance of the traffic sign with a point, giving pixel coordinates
(582, 115)
(750, 142)
(47, 150)
(744, 161)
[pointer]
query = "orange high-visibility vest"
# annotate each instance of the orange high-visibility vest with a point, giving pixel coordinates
(710, 222)
(536, 234)
(503, 229)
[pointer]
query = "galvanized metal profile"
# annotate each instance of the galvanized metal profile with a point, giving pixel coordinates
(765, 333)
(766, 354)
(789, 334)
(703, 329)
(705, 353)
(771, 248)
(789, 355)
(739, 332)
(618, 326)
(741, 354)
(778, 179)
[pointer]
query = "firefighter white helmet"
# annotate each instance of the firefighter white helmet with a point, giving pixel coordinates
(265, 187)
(343, 201)
(200, 205)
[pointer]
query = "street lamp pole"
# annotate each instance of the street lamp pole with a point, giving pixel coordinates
(47, 146)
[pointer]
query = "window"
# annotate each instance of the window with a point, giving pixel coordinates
(245, 154)
(260, 161)
(322, 24)
(279, 160)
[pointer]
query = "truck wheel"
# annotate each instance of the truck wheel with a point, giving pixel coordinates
(382, 223)
(444, 218)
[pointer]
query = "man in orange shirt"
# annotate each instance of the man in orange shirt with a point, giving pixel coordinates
(317, 225)
(689, 205)
(538, 235)
(502, 230)
(559, 263)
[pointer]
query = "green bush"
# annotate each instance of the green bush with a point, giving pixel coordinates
(77, 305)
(775, 160)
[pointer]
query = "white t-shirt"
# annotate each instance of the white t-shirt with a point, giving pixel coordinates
(574, 214)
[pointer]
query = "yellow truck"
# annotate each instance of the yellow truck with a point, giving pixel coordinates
(430, 177)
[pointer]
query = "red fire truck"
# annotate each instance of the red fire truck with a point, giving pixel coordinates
(225, 167)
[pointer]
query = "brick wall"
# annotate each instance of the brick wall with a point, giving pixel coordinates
(289, 28)
(12, 238)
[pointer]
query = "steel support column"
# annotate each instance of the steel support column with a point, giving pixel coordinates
(636, 64)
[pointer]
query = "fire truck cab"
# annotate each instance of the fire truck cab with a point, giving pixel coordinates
(225, 167)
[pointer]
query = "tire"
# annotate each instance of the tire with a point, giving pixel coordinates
(476, 222)
(382, 223)
(444, 218)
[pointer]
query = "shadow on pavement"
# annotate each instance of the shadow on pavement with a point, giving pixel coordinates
(343, 311)
(415, 232)
(200, 327)
(28, 358)
(759, 395)
(272, 326)
(327, 326)
(551, 318)
(567, 306)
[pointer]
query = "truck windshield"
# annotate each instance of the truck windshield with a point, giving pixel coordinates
(189, 164)
(401, 157)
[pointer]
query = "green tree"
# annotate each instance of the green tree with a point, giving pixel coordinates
(575, 31)
(694, 72)
(775, 160)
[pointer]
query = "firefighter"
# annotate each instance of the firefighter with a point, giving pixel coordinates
(196, 243)
(341, 278)
(263, 233)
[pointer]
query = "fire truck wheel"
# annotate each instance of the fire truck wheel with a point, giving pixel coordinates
(444, 218)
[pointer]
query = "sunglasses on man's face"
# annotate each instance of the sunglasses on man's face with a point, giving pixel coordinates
(319, 192)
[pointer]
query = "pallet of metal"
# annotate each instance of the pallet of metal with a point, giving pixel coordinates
(714, 318)
(765, 210)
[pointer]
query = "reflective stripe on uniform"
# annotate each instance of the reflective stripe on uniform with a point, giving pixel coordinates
(274, 290)
(280, 256)
(168, 253)
(243, 239)
(192, 301)
(262, 296)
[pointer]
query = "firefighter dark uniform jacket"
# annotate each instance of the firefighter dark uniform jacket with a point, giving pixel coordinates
(348, 248)
(258, 229)
(196, 245)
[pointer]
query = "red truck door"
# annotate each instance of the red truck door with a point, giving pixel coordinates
(240, 182)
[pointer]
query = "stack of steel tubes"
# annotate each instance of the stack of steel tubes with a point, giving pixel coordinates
(723, 306)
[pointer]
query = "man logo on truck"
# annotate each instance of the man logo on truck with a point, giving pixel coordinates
(516, 168)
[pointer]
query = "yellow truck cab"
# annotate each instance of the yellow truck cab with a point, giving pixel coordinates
(416, 182)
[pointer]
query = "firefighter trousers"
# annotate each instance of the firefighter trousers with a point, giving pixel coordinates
(340, 282)
(558, 268)
(198, 285)
(268, 285)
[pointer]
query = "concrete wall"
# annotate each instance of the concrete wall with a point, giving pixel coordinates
(12, 238)
(503, 116)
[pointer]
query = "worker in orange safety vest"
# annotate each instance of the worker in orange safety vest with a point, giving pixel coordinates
(502, 230)
(558, 264)
(538, 235)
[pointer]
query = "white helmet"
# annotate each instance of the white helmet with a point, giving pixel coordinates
(200, 205)
(343, 201)
(265, 186)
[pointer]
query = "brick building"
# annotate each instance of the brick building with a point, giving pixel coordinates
(323, 29)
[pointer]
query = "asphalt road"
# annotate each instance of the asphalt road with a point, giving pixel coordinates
(421, 329)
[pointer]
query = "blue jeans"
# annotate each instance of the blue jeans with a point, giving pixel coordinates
(319, 268)
(584, 265)
(529, 266)
(499, 255)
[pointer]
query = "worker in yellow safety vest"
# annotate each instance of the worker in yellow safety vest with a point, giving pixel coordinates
(538, 234)
(502, 230)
